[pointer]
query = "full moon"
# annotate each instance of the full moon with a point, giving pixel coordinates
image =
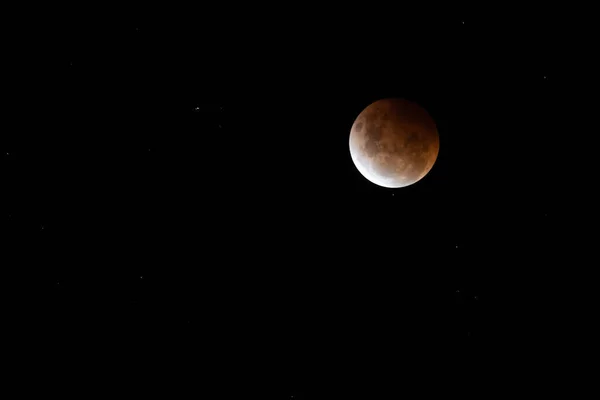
(394, 143)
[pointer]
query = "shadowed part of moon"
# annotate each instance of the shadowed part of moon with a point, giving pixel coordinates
(394, 143)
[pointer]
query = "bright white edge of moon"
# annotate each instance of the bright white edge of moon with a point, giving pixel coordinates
(367, 172)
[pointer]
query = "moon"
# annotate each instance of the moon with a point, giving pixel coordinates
(394, 143)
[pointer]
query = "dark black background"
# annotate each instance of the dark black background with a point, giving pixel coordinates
(182, 212)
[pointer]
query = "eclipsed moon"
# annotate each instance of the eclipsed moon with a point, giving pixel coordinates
(394, 143)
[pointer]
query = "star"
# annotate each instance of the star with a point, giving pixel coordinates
(545, 77)
(457, 246)
(142, 277)
(8, 154)
(197, 108)
(475, 297)
(463, 22)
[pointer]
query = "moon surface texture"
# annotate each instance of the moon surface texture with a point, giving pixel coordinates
(394, 143)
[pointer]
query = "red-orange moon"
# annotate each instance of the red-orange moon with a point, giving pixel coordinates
(394, 143)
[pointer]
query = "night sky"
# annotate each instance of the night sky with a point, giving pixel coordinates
(182, 216)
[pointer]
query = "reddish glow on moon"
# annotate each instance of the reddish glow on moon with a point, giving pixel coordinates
(394, 143)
